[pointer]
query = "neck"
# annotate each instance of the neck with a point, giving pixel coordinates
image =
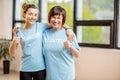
(27, 26)
(59, 28)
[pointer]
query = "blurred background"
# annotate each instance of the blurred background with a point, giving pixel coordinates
(95, 23)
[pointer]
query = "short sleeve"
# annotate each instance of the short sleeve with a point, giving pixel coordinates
(75, 44)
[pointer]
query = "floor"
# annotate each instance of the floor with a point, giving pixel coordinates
(11, 76)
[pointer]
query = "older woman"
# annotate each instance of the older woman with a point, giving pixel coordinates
(57, 50)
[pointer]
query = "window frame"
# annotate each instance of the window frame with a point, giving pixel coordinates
(111, 23)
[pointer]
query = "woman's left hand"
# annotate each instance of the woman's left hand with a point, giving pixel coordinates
(67, 44)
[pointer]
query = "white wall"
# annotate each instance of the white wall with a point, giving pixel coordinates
(1, 16)
(98, 64)
(5, 18)
(6, 7)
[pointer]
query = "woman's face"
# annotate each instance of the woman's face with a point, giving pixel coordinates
(56, 22)
(31, 16)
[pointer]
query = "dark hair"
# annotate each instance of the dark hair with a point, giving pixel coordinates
(26, 6)
(57, 10)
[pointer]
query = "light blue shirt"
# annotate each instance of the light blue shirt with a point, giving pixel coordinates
(31, 41)
(59, 60)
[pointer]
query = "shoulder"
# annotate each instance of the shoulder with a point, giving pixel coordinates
(63, 30)
(48, 31)
(42, 25)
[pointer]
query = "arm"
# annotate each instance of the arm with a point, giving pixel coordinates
(73, 50)
(69, 32)
(14, 43)
(13, 46)
(66, 26)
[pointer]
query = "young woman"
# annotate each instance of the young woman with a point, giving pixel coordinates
(57, 50)
(30, 38)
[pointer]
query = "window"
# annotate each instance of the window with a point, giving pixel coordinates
(94, 22)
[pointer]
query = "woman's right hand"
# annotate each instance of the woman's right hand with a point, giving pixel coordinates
(15, 30)
(16, 40)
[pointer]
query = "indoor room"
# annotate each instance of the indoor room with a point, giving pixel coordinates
(96, 25)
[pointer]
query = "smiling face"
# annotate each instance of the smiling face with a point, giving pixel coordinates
(31, 16)
(57, 17)
(56, 22)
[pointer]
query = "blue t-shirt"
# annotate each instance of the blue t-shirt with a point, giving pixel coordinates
(31, 42)
(59, 60)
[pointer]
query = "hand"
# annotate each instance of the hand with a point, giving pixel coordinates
(16, 41)
(15, 30)
(70, 35)
(67, 44)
